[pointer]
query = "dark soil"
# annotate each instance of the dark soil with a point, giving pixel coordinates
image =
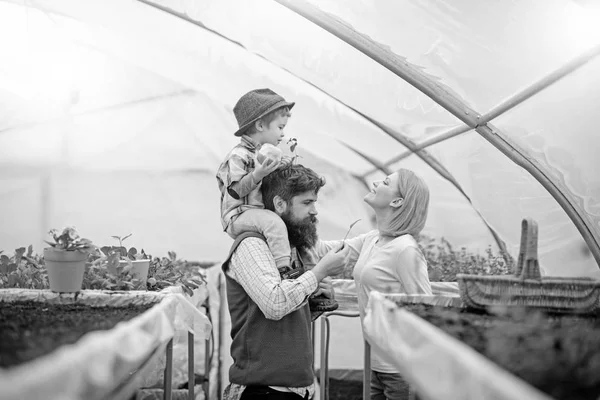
(31, 329)
(345, 389)
(558, 354)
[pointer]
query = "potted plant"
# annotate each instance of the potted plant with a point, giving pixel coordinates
(129, 260)
(65, 259)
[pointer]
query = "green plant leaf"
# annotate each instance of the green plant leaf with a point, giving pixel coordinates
(200, 282)
(189, 283)
(122, 250)
(187, 290)
(112, 263)
(132, 253)
(12, 280)
(127, 268)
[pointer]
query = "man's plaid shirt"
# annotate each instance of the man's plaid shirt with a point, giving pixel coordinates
(253, 267)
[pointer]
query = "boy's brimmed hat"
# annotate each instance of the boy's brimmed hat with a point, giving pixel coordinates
(256, 104)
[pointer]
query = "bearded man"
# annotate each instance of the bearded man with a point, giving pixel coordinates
(270, 316)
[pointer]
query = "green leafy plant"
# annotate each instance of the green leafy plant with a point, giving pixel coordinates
(293, 143)
(23, 270)
(444, 261)
(123, 252)
(111, 269)
(121, 239)
(69, 240)
(103, 275)
(170, 271)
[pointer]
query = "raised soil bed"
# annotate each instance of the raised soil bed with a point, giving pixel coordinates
(340, 389)
(30, 329)
(557, 354)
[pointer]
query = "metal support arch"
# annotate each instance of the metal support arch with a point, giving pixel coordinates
(450, 101)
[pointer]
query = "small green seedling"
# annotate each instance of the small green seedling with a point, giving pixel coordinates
(347, 233)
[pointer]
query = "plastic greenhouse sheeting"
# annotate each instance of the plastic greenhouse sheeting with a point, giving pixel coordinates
(115, 114)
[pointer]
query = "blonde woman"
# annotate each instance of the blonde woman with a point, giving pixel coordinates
(389, 260)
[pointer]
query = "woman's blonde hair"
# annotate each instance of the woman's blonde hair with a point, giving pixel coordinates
(411, 216)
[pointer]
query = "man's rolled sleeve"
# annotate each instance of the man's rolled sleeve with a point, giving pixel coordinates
(253, 267)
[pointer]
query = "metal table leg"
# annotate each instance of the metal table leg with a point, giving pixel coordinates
(207, 357)
(367, 372)
(191, 376)
(325, 331)
(168, 378)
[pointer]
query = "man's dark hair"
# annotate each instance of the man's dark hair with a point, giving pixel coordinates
(289, 181)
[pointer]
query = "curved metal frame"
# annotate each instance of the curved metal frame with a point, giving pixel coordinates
(452, 102)
(399, 137)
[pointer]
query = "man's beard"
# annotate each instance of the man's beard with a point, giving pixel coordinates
(302, 234)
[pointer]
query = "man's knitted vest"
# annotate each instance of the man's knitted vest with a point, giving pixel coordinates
(267, 352)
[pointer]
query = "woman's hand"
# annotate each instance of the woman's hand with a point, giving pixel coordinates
(332, 263)
(325, 288)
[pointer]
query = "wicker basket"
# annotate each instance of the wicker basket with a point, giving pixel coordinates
(527, 288)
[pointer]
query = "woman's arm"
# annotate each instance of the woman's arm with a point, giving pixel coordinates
(411, 270)
(355, 244)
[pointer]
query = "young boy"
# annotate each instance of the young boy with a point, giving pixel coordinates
(262, 115)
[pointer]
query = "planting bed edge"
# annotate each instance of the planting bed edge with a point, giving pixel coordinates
(437, 365)
(100, 360)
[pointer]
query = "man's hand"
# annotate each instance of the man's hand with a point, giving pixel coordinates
(265, 168)
(332, 263)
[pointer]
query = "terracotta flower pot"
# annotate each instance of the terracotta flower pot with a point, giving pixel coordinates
(65, 269)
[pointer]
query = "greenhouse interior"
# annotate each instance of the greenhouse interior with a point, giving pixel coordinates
(116, 115)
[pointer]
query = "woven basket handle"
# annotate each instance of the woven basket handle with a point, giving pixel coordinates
(528, 266)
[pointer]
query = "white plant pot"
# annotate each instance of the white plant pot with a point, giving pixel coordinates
(139, 269)
(65, 269)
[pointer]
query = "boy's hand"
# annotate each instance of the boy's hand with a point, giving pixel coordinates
(286, 160)
(265, 168)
